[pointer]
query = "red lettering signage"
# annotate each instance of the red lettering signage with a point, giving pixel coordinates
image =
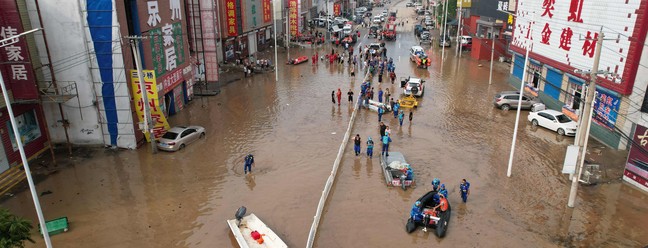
(337, 9)
(293, 17)
(267, 11)
(16, 67)
(230, 14)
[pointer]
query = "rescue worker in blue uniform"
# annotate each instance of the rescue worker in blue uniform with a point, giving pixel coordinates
(249, 160)
(443, 190)
(409, 173)
(416, 213)
(464, 188)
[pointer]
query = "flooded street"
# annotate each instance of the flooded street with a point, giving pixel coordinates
(182, 199)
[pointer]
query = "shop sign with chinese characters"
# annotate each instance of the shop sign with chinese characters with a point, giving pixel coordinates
(230, 13)
(160, 124)
(566, 31)
(167, 48)
(293, 17)
(267, 12)
(16, 67)
(606, 107)
(337, 9)
(636, 170)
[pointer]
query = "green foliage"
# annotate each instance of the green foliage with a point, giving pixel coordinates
(14, 230)
(452, 11)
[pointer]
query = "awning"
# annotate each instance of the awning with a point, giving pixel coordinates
(453, 22)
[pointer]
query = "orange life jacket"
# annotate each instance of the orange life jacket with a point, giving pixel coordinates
(444, 204)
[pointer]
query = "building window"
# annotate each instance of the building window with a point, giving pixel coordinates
(27, 127)
(574, 97)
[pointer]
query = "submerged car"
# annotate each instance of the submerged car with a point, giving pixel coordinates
(179, 137)
(553, 120)
(506, 100)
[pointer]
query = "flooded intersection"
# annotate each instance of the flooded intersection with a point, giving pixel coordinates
(182, 199)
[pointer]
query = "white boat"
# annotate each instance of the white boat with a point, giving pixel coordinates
(243, 226)
(374, 105)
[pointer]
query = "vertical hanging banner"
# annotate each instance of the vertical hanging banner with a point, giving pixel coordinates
(16, 67)
(232, 26)
(336, 9)
(266, 11)
(293, 17)
(160, 124)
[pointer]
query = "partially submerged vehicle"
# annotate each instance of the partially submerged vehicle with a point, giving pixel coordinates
(250, 231)
(397, 171)
(408, 101)
(374, 105)
(437, 219)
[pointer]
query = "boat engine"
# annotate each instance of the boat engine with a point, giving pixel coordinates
(240, 212)
(402, 181)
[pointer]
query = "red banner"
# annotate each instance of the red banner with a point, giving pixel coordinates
(16, 67)
(230, 10)
(293, 17)
(267, 11)
(337, 10)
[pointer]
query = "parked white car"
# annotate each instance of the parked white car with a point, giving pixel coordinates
(376, 19)
(554, 121)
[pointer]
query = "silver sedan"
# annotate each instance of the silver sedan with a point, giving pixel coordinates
(180, 136)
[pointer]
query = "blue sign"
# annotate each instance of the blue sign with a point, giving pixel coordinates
(606, 107)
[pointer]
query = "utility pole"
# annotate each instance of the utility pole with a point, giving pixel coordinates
(459, 29)
(287, 34)
(274, 23)
(445, 33)
(148, 122)
(19, 143)
(517, 116)
(587, 119)
(490, 74)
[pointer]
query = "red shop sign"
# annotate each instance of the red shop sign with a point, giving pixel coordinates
(292, 18)
(266, 11)
(230, 11)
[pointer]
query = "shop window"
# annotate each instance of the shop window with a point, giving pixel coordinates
(573, 100)
(27, 127)
(535, 80)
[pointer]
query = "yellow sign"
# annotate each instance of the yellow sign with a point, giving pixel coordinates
(160, 124)
(464, 3)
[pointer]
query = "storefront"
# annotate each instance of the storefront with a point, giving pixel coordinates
(573, 97)
(31, 125)
(176, 91)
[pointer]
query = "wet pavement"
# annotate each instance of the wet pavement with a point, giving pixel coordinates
(182, 199)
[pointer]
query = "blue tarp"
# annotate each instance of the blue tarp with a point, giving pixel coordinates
(100, 25)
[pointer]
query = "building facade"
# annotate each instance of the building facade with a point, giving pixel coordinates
(247, 27)
(19, 63)
(561, 36)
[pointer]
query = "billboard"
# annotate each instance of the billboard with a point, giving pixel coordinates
(564, 35)
(464, 4)
(16, 67)
(167, 51)
(160, 124)
(230, 13)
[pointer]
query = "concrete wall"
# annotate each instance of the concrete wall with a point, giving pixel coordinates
(66, 32)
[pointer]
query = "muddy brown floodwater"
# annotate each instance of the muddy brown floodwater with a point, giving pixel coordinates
(182, 199)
